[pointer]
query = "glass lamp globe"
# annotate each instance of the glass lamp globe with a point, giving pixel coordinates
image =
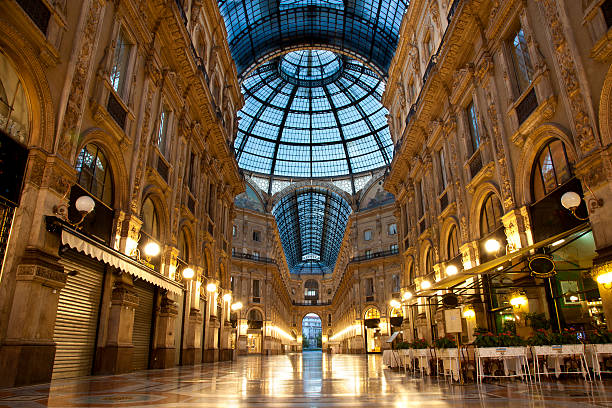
(227, 297)
(188, 273)
(151, 249)
(425, 284)
(211, 287)
(570, 200)
(451, 270)
(85, 204)
(492, 245)
(394, 304)
(407, 296)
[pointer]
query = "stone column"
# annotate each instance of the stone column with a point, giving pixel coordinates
(192, 353)
(28, 351)
(115, 356)
(163, 353)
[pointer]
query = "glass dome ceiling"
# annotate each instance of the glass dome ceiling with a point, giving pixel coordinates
(313, 114)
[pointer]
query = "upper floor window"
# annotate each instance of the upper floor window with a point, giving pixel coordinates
(368, 253)
(396, 286)
(256, 290)
(393, 229)
(421, 200)
(150, 222)
(428, 46)
(393, 248)
(473, 126)
(367, 235)
(442, 163)
(118, 73)
(452, 243)
(522, 68)
(183, 246)
(256, 236)
(14, 107)
(551, 169)
(411, 273)
(94, 175)
(191, 171)
(369, 286)
(162, 133)
(234, 230)
(490, 215)
(429, 261)
(255, 254)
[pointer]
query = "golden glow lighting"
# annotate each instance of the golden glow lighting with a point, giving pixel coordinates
(395, 304)
(451, 270)
(518, 300)
(151, 249)
(237, 306)
(188, 273)
(211, 287)
(469, 313)
(425, 284)
(407, 295)
(492, 245)
(227, 297)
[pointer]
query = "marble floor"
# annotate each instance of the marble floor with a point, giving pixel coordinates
(304, 380)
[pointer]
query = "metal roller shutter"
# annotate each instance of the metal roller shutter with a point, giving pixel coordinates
(203, 310)
(76, 321)
(143, 316)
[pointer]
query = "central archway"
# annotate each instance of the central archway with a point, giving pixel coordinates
(312, 332)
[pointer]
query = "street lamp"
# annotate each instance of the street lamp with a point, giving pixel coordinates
(211, 287)
(407, 296)
(236, 306)
(151, 249)
(227, 297)
(188, 273)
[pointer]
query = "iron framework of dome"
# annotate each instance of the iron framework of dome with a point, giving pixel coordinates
(259, 29)
(313, 114)
(311, 223)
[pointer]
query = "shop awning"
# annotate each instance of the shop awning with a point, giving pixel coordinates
(120, 261)
(491, 266)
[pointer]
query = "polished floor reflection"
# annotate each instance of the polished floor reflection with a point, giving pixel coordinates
(311, 379)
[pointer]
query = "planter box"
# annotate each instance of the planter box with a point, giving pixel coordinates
(422, 353)
(601, 348)
(563, 349)
(499, 352)
(447, 353)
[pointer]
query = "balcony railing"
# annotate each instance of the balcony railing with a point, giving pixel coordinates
(240, 255)
(380, 254)
(311, 303)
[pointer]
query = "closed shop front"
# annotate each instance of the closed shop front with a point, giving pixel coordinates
(143, 318)
(76, 322)
(203, 311)
(178, 328)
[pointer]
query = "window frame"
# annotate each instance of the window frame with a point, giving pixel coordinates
(121, 88)
(493, 199)
(537, 170)
(473, 126)
(107, 177)
(517, 84)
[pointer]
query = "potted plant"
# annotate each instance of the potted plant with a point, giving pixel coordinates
(600, 343)
(565, 342)
(421, 347)
(446, 346)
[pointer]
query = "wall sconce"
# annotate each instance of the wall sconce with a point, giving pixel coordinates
(407, 296)
(211, 287)
(188, 273)
(425, 284)
(492, 245)
(151, 249)
(395, 304)
(518, 299)
(603, 275)
(469, 313)
(236, 306)
(451, 270)
(84, 205)
(571, 200)
(227, 297)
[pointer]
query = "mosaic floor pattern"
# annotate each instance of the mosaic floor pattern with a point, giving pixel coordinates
(304, 380)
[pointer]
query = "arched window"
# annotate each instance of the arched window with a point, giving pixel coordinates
(255, 316)
(551, 169)
(150, 222)
(94, 175)
(372, 313)
(429, 261)
(490, 215)
(453, 243)
(411, 274)
(14, 110)
(183, 246)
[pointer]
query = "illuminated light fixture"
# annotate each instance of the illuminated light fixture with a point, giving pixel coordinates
(395, 304)
(499, 268)
(85, 204)
(603, 275)
(425, 284)
(451, 270)
(211, 287)
(188, 273)
(469, 313)
(407, 295)
(492, 245)
(236, 306)
(227, 297)
(574, 298)
(571, 200)
(518, 299)
(151, 249)
(559, 242)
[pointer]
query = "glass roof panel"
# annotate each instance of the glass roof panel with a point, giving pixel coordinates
(311, 223)
(319, 112)
(258, 28)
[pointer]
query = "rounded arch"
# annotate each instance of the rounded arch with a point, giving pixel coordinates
(410, 273)
(156, 196)
(447, 227)
(311, 313)
(255, 312)
(533, 145)
(427, 259)
(480, 195)
(114, 156)
(605, 109)
(310, 183)
(32, 75)
(186, 234)
(370, 311)
(207, 262)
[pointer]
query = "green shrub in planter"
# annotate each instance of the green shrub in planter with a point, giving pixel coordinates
(402, 345)
(544, 338)
(447, 341)
(505, 339)
(419, 344)
(600, 337)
